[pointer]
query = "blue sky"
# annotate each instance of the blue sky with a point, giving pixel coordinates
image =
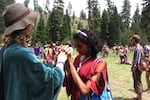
(77, 5)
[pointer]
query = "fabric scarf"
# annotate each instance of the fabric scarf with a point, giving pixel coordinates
(71, 87)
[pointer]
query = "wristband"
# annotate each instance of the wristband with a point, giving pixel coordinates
(60, 62)
(60, 65)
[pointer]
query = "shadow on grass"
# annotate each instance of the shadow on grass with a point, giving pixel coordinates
(123, 63)
(120, 98)
(131, 90)
(123, 98)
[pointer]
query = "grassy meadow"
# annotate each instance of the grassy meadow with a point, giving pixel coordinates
(120, 80)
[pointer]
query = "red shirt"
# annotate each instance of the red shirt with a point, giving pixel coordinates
(86, 72)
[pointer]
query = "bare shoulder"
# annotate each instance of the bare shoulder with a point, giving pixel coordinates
(102, 64)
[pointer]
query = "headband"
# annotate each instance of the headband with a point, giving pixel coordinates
(82, 33)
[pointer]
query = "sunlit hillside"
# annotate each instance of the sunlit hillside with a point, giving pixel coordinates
(76, 21)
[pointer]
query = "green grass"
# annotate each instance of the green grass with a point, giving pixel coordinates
(120, 80)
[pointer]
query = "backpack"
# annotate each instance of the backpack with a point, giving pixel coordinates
(145, 65)
(146, 51)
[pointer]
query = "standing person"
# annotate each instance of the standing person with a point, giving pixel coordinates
(70, 47)
(138, 58)
(122, 56)
(50, 54)
(37, 49)
(22, 75)
(147, 59)
(87, 74)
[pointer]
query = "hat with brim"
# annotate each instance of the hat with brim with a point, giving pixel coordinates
(135, 37)
(17, 17)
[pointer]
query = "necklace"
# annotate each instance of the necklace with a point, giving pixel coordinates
(82, 60)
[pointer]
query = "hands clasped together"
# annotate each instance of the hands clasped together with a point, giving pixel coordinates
(64, 54)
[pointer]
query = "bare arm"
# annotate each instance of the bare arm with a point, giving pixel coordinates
(85, 87)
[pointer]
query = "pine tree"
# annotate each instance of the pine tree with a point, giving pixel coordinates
(113, 25)
(57, 17)
(114, 28)
(110, 8)
(73, 16)
(9, 2)
(47, 9)
(105, 28)
(66, 26)
(145, 20)
(146, 2)
(3, 4)
(80, 25)
(94, 17)
(125, 14)
(48, 27)
(40, 35)
(136, 20)
(26, 2)
(82, 14)
(36, 5)
(2, 7)
(69, 8)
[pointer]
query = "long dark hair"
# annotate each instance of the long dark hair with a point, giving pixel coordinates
(88, 38)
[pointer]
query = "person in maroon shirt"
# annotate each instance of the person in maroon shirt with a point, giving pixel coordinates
(87, 73)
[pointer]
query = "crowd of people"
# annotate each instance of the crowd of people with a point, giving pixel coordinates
(23, 76)
(118, 51)
(140, 63)
(37, 73)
